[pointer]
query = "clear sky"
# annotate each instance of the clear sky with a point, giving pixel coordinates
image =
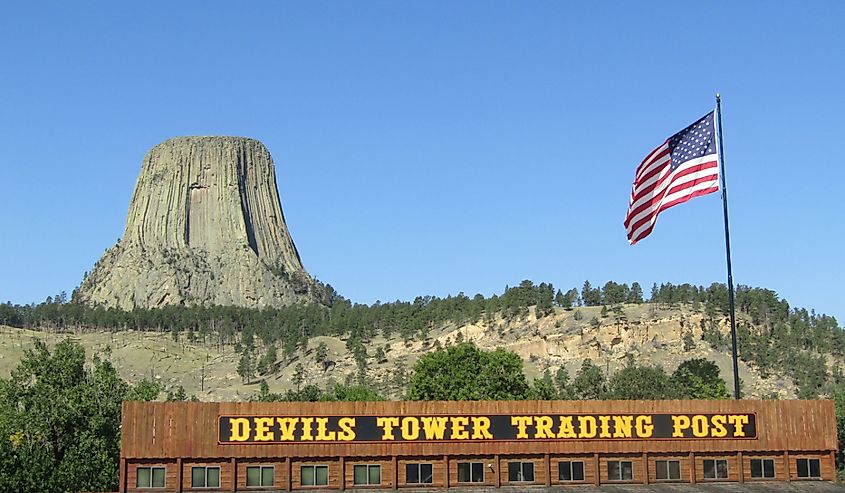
(437, 147)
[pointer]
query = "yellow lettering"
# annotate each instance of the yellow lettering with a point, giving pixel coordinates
(307, 433)
(645, 427)
(287, 426)
(459, 424)
(587, 427)
(700, 426)
(680, 423)
(605, 426)
(347, 429)
(738, 421)
(387, 424)
(239, 429)
(410, 429)
(719, 429)
(481, 428)
(262, 429)
(543, 425)
(434, 427)
(566, 430)
(521, 423)
(322, 434)
(622, 426)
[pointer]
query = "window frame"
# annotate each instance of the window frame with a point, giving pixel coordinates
(808, 461)
(667, 469)
(471, 470)
(419, 466)
(621, 469)
(762, 462)
(521, 471)
(570, 463)
(261, 468)
(152, 476)
(367, 469)
(716, 469)
(314, 468)
(205, 477)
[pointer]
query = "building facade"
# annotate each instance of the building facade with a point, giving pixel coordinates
(185, 446)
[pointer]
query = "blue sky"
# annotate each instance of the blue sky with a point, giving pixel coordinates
(436, 147)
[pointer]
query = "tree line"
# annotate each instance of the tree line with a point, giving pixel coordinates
(771, 334)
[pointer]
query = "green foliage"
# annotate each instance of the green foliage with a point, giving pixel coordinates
(639, 382)
(298, 375)
(589, 383)
(322, 353)
(60, 421)
(313, 393)
(465, 372)
(268, 360)
(839, 404)
(699, 379)
(562, 385)
(543, 389)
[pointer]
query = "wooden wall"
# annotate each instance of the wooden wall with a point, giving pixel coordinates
(341, 470)
(187, 429)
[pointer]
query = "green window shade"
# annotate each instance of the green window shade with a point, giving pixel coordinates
(374, 475)
(253, 476)
(158, 477)
(307, 475)
(143, 480)
(213, 474)
(360, 475)
(198, 477)
(322, 475)
(268, 476)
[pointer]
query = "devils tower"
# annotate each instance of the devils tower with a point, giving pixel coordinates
(205, 227)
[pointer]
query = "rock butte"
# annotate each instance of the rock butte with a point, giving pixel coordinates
(205, 227)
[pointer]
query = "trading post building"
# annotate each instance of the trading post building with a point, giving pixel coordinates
(227, 446)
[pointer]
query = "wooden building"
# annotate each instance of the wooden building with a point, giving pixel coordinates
(185, 446)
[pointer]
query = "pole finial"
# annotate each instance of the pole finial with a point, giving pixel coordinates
(718, 97)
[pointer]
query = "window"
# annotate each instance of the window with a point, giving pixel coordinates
(150, 477)
(520, 471)
(762, 468)
(809, 468)
(260, 476)
(715, 469)
(571, 470)
(367, 474)
(620, 470)
(314, 475)
(668, 469)
(205, 477)
(418, 474)
(470, 472)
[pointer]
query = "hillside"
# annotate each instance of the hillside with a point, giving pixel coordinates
(651, 333)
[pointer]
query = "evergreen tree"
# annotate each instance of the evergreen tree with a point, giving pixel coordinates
(590, 382)
(298, 375)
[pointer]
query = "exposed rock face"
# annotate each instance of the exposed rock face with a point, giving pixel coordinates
(205, 227)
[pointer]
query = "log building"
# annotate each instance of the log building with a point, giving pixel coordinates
(185, 446)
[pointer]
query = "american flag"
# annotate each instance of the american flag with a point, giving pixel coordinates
(683, 167)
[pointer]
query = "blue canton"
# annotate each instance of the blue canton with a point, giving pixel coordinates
(693, 142)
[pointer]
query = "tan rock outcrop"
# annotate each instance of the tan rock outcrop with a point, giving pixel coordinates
(205, 227)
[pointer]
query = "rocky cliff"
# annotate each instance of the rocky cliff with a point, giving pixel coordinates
(205, 226)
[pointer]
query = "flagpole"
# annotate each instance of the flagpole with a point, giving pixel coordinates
(727, 247)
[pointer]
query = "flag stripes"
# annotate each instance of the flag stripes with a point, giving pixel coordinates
(661, 182)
